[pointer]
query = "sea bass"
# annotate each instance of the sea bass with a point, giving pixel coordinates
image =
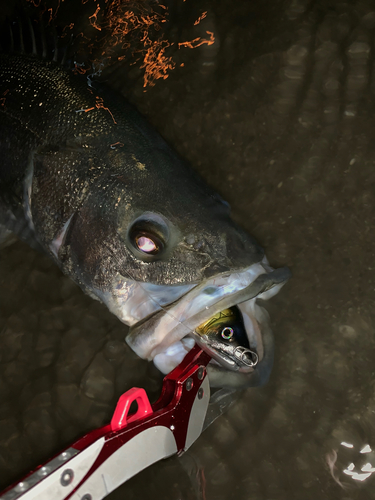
(87, 179)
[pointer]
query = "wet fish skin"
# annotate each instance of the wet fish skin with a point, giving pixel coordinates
(91, 157)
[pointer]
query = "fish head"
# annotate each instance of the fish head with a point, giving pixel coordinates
(150, 240)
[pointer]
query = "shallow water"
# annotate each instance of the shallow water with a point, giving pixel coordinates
(278, 116)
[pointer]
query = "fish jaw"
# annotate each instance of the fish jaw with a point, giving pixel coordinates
(166, 336)
(133, 301)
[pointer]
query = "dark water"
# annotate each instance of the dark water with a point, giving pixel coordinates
(278, 116)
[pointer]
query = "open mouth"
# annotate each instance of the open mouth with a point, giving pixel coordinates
(167, 335)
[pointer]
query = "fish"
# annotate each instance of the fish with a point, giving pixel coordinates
(87, 180)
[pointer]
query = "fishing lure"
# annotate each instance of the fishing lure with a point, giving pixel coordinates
(224, 337)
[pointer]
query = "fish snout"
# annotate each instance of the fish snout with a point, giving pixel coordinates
(241, 249)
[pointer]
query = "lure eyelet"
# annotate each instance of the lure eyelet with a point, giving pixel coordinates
(246, 356)
(227, 333)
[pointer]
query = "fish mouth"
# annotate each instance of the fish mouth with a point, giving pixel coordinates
(167, 335)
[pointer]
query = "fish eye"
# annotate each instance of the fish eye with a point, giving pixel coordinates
(148, 236)
(227, 333)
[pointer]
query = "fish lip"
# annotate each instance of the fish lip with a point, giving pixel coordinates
(134, 302)
(149, 347)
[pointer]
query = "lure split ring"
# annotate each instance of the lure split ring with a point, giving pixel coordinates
(242, 353)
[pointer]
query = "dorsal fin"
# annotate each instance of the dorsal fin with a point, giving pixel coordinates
(11, 38)
(36, 38)
(32, 35)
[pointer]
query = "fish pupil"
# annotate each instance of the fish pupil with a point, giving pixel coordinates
(146, 244)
